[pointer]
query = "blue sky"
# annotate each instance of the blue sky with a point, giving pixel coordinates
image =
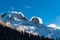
(48, 10)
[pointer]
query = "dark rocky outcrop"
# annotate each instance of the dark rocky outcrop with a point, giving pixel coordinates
(10, 34)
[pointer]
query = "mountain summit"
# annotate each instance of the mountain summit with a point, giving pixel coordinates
(35, 26)
(36, 20)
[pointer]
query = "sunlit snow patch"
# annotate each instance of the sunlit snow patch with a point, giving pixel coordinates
(39, 19)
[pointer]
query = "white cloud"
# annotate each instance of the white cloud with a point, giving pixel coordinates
(26, 6)
(12, 8)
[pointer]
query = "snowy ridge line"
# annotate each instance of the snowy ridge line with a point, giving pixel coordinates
(18, 13)
(16, 20)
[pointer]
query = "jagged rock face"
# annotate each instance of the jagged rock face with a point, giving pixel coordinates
(35, 20)
(16, 20)
(18, 15)
(3, 15)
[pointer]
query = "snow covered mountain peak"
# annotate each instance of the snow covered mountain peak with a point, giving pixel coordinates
(36, 20)
(54, 26)
(13, 16)
(16, 20)
(19, 13)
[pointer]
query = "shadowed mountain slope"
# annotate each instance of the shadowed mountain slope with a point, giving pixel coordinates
(7, 33)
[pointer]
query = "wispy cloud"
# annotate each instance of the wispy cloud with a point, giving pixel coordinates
(12, 8)
(27, 6)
